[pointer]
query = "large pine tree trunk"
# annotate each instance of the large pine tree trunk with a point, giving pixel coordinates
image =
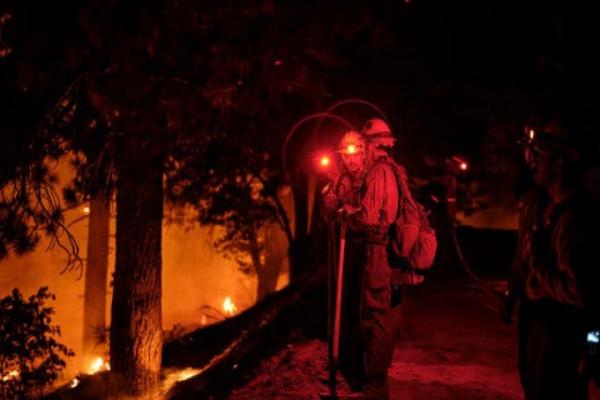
(94, 304)
(136, 331)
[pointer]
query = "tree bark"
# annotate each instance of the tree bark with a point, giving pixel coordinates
(259, 267)
(94, 304)
(136, 329)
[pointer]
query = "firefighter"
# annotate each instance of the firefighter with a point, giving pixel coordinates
(346, 180)
(555, 276)
(368, 196)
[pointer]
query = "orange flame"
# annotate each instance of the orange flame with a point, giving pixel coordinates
(98, 364)
(325, 161)
(14, 374)
(228, 306)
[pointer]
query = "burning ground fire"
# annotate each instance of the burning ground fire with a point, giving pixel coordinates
(10, 376)
(174, 376)
(228, 306)
(98, 364)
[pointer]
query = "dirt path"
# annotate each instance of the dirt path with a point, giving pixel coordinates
(452, 346)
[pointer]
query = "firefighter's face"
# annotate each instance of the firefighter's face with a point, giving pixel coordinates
(541, 164)
(354, 162)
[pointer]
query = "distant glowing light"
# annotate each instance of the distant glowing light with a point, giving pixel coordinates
(86, 210)
(463, 166)
(351, 149)
(74, 383)
(593, 337)
(228, 306)
(325, 161)
(531, 134)
(278, 63)
(97, 365)
(14, 374)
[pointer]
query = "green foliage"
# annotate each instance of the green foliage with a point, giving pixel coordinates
(30, 357)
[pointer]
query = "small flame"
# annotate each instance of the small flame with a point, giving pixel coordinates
(464, 166)
(531, 134)
(97, 365)
(325, 161)
(228, 306)
(74, 383)
(172, 377)
(351, 149)
(86, 210)
(187, 374)
(14, 374)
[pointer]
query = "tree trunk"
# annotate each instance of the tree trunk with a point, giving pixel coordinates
(259, 267)
(94, 304)
(136, 329)
(299, 251)
(276, 250)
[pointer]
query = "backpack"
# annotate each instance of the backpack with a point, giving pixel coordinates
(412, 239)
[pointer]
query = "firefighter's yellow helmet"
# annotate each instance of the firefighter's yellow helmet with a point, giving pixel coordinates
(378, 133)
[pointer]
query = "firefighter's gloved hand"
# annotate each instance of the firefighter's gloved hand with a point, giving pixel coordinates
(334, 172)
(329, 197)
(349, 210)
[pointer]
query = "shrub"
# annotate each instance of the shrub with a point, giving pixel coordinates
(30, 356)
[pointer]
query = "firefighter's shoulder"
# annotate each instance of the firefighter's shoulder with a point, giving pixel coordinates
(382, 166)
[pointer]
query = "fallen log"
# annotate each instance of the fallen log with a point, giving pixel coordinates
(267, 330)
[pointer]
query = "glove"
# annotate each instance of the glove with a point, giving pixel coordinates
(334, 171)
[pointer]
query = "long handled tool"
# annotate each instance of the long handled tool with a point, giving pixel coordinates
(334, 328)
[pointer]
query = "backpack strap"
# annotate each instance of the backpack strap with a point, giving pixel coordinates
(402, 180)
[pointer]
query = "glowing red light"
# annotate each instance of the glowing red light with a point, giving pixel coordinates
(463, 166)
(351, 149)
(531, 134)
(325, 161)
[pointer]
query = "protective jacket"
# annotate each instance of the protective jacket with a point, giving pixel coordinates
(368, 318)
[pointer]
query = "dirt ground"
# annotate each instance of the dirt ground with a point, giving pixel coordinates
(452, 345)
